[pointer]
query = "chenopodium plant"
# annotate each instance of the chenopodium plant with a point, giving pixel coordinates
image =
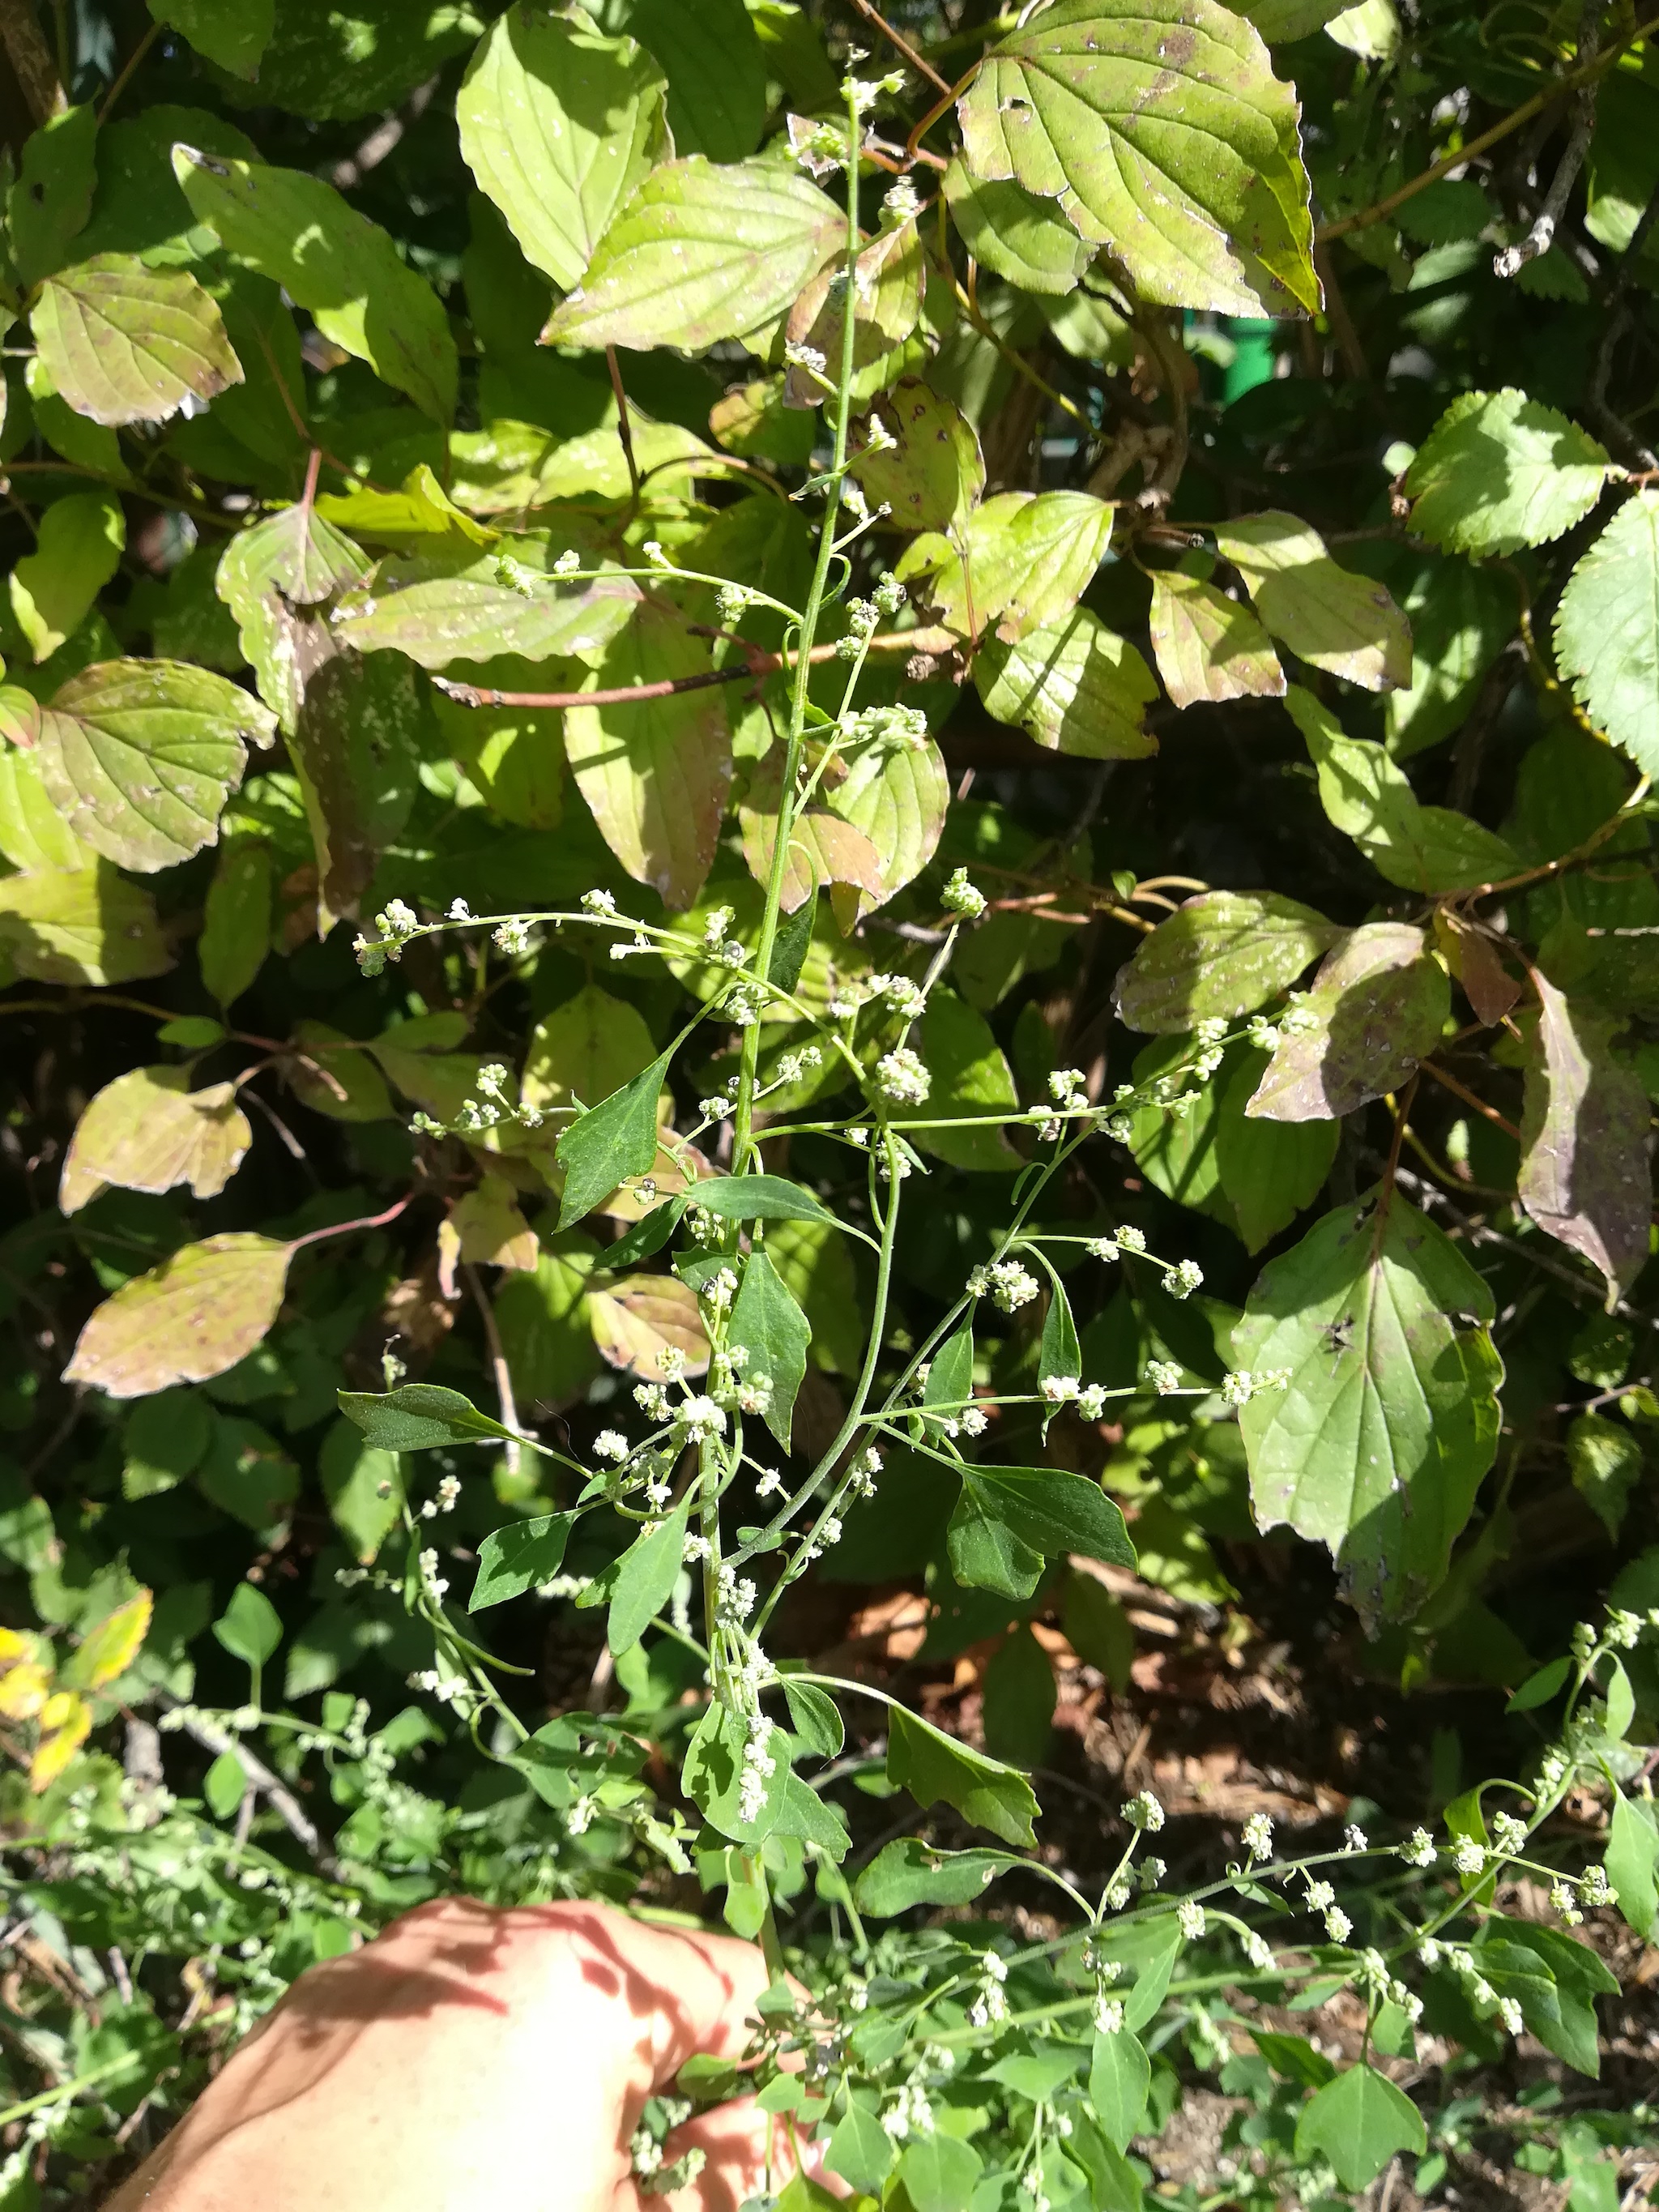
(903, 2037)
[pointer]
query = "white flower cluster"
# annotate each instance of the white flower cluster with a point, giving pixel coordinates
(1164, 1377)
(900, 725)
(990, 2003)
(394, 925)
(1181, 1280)
(449, 1491)
(1005, 1283)
(902, 1077)
(758, 1769)
(1190, 1913)
(1144, 1813)
(1245, 1383)
(1259, 1836)
(912, 2115)
(1418, 1849)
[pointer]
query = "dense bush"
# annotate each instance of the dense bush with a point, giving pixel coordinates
(768, 941)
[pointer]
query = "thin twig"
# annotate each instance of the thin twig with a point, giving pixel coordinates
(1462, 1090)
(755, 665)
(1380, 209)
(135, 60)
(924, 68)
(498, 1367)
(624, 426)
(277, 1794)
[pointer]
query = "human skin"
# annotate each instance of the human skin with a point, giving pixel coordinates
(475, 2058)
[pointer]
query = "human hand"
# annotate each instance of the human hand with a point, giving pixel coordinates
(475, 2059)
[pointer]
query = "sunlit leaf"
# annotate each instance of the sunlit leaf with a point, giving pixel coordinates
(1584, 1174)
(1500, 471)
(127, 344)
(1377, 1007)
(198, 1313)
(1209, 647)
(149, 1131)
(1330, 617)
(1220, 954)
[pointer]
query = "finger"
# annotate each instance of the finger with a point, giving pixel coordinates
(736, 2139)
(696, 1992)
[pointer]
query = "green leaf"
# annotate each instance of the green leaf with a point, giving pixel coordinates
(1295, 2058)
(356, 746)
(760, 1198)
(1391, 1417)
(334, 64)
(655, 773)
(1461, 618)
(1557, 1980)
(1074, 686)
(1500, 471)
(236, 918)
(700, 253)
(933, 470)
(643, 1582)
(127, 344)
(558, 125)
(716, 72)
(417, 1417)
(1605, 638)
(364, 1488)
(969, 1076)
(815, 1717)
(1207, 645)
(1120, 2079)
(545, 1334)
(1584, 1176)
(1220, 954)
(51, 197)
(294, 558)
(1539, 1688)
(1211, 214)
(1019, 1700)
(33, 834)
(148, 1130)
(897, 794)
(1058, 1353)
(1022, 560)
(343, 269)
(950, 1383)
(771, 1327)
(442, 607)
(584, 1050)
(1367, 797)
(250, 1627)
(1268, 1170)
(909, 1872)
(1606, 1462)
(1358, 2122)
(1016, 234)
(198, 1313)
(861, 2150)
(1378, 1005)
(234, 34)
(613, 1140)
(81, 926)
(939, 2172)
(78, 546)
(803, 1813)
(1632, 1860)
(514, 1560)
(1328, 616)
(649, 1235)
(934, 1767)
(1046, 1512)
(140, 756)
(715, 1764)
(224, 1785)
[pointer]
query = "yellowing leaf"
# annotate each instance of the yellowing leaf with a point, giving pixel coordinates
(77, 550)
(198, 1313)
(107, 1651)
(24, 1689)
(1209, 647)
(1022, 559)
(1330, 617)
(635, 1319)
(486, 1226)
(1074, 686)
(70, 1720)
(124, 343)
(86, 925)
(148, 1130)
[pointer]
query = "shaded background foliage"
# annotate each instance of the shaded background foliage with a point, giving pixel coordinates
(1470, 647)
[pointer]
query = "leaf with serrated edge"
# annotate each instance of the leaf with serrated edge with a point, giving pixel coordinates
(1220, 954)
(1500, 471)
(1606, 638)
(1368, 797)
(1344, 623)
(559, 124)
(1015, 234)
(81, 926)
(141, 756)
(124, 343)
(700, 253)
(1377, 1007)
(341, 267)
(1166, 137)
(1022, 559)
(148, 1130)
(1208, 646)
(655, 775)
(1074, 686)
(203, 1308)
(635, 1319)
(1584, 1176)
(1390, 1421)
